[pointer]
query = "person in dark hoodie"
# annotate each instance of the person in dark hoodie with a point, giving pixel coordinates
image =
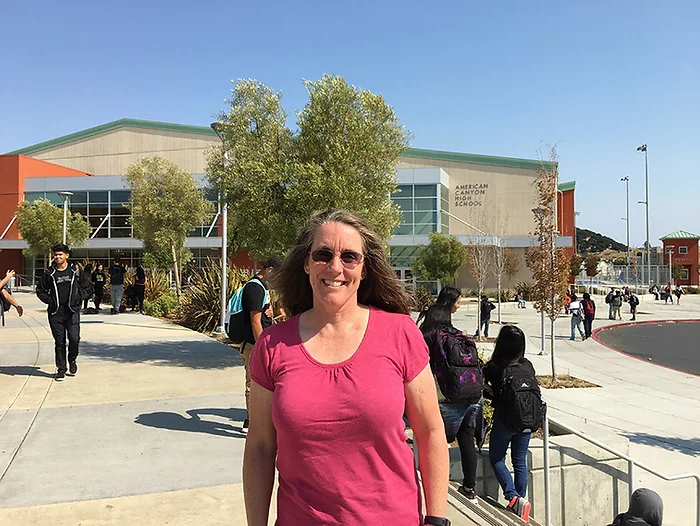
(646, 509)
(63, 287)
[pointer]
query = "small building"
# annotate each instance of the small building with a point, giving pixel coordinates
(681, 248)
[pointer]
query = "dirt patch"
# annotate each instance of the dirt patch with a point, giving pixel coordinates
(564, 381)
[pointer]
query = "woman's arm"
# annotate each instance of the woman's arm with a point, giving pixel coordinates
(429, 430)
(7, 277)
(259, 457)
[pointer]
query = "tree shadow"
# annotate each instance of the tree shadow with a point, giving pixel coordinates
(194, 354)
(687, 446)
(24, 370)
(194, 424)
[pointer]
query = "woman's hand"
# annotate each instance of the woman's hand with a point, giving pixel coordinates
(10, 273)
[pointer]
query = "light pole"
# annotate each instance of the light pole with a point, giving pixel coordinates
(626, 179)
(221, 329)
(66, 198)
(539, 214)
(643, 148)
(670, 265)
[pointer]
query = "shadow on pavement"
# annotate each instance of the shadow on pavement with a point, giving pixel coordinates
(24, 370)
(198, 354)
(178, 422)
(687, 446)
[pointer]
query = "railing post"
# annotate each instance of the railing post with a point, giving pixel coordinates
(630, 472)
(697, 501)
(547, 496)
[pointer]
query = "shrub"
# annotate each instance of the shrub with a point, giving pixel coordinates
(157, 284)
(493, 295)
(201, 299)
(692, 290)
(422, 298)
(524, 288)
(162, 306)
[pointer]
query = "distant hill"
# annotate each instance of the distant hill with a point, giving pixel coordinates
(593, 242)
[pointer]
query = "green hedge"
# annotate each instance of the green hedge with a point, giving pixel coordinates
(162, 306)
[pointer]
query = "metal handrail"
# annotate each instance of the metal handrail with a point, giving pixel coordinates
(631, 463)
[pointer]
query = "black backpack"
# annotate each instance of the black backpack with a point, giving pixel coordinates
(520, 398)
(457, 367)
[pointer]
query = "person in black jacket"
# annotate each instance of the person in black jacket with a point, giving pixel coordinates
(646, 509)
(508, 351)
(63, 287)
(486, 307)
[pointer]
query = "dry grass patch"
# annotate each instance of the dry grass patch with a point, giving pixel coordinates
(564, 381)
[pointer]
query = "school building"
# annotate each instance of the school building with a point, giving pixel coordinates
(681, 248)
(478, 198)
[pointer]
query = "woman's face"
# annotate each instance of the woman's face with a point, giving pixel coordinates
(335, 266)
(456, 305)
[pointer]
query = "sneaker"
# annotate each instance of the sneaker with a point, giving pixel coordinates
(521, 507)
(60, 376)
(469, 494)
(245, 426)
(73, 368)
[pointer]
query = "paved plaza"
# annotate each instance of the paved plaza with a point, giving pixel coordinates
(149, 431)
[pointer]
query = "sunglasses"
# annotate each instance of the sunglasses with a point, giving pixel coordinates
(349, 258)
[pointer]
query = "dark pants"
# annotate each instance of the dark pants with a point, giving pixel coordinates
(485, 325)
(501, 438)
(140, 291)
(588, 325)
(62, 325)
(461, 420)
(99, 293)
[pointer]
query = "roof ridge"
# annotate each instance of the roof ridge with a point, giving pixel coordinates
(681, 234)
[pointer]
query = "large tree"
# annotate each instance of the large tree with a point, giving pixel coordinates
(441, 259)
(166, 206)
(343, 154)
(549, 264)
(481, 257)
(41, 226)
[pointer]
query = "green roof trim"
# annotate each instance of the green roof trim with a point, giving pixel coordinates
(680, 234)
(565, 187)
(121, 123)
(510, 162)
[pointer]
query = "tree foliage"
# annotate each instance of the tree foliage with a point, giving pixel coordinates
(441, 259)
(481, 259)
(512, 266)
(166, 206)
(41, 225)
(343, 155)
(591, 264)
(575, 265)
(676, 271)
(550, 265)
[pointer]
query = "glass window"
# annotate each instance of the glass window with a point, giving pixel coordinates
(33, 196)
(98, 197)
(406, 218)
(79, 209)
(684, 274)
(120, 221)
(424, 204)
(403, 230)
(121, 196)
(682, 250)
(404, 190)
(421, 230)
(54, 198)
(79, 198)
(425, 190)
(98, 209)
(444, 192)
(404, 204)
(119, 210)
(424, 218)
(120, 232)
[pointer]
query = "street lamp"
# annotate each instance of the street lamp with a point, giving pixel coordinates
(643, 148)
(670, 266)
(626, 180)
(66, 198)
(221, 329)
(539, 215)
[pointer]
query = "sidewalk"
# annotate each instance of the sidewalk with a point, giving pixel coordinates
(148, 432)
(657, 409)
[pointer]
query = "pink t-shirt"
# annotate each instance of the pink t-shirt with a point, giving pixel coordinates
(342, 454)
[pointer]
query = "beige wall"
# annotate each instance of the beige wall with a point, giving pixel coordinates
(466, 281)
(503, 209)
(111, 152)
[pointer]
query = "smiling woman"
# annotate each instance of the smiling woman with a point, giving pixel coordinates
(330, 387)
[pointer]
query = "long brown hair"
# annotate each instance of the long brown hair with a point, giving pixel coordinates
(380, 288)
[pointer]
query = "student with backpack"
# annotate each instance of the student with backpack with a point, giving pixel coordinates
(250, 314)
(633, 301)
(576, 319)
(454, 361)
(588, 307)
(518, 412)
(616, 304)
(609, 300)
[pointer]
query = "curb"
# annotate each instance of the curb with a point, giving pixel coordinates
(594, 335)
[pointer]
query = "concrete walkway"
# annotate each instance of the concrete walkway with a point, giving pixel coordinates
(656, 408)
(147, 433)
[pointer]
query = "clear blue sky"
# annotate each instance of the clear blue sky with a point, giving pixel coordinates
(597, 78)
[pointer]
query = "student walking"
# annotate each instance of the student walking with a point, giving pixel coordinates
(634, 302)
(116, 284)
(455, 362)
(678, 292)
(518, 412)
(63, 287)
(616, 304)
(576, 320)
(98, 283)
(486, 307)
(139, 288)
(669, 294)
(609, 300)
(588, 307)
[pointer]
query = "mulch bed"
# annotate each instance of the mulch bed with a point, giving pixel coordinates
(564, 381)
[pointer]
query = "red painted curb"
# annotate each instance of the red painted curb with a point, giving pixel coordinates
(594, 335)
